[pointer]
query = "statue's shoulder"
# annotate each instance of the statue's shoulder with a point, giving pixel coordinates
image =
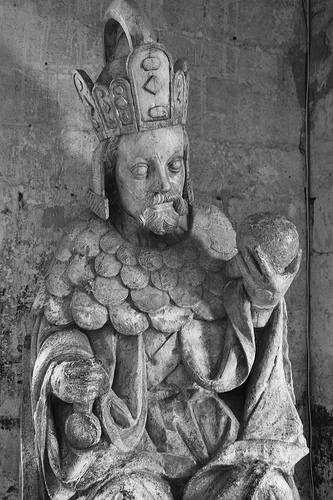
(83, 270)
(212, 228)
(82, 237)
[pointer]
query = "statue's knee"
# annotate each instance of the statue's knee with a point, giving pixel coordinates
(256, 482)
(136, 486)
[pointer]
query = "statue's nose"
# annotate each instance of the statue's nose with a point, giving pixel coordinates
(162, 183)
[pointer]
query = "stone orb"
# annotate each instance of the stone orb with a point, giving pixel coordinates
(276, 236)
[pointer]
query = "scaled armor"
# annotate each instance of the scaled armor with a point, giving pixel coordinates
(174, 335)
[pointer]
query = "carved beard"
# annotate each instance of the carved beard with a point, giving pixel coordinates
(162, 213)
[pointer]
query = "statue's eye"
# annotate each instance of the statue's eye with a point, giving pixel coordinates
(140, 170)
(176, 165)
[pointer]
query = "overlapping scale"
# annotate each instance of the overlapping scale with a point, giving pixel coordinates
(223, 241)
(65, 248)
(150, 299)
(173, 257)
(150, 259)
(186, 296)
(57, 282)
(87, 243)
(217, 217)
(165, 278)
(202, 208)
(127, 253)
(87, 313)
(111, 241)
(214, 237)
(99, 226)
(220, 231)
(170, 319)
(79, 270)
(134, 277)
(107, 265)
(190, 250)
(192, 274)
(109, 291)
(211, 260)
(57, 310)
(200, 238)
(202, 216)
(127, 320)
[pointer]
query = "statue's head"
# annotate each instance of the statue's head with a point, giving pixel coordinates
(138, 109)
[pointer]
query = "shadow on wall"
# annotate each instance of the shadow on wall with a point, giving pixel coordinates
(44, 174)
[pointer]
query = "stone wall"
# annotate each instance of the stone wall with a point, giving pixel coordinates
(245, 125)
(321, 105)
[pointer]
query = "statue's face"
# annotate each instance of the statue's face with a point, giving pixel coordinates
(150, 176)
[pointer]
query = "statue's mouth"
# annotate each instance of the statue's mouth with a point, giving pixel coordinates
(162, 206)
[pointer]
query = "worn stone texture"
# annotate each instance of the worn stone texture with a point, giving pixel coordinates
(245, 123)
(321, 92)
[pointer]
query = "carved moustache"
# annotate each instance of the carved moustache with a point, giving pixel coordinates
(179, 204)
(162, 220)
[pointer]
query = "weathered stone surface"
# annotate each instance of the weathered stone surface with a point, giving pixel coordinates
(57, 282)
(134, 277)
(322, 314)
(323, 225)
(57, 310)
(321, 153)
(150, 259)
(87, 313)
(127, 320)
(79, 271)
(128, 253)
(275, 235)
(150, 299)
(170, 319)
(107, 265)
(46, 143)
(109, 291)
(111, 242)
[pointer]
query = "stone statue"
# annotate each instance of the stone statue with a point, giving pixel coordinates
(160, 360)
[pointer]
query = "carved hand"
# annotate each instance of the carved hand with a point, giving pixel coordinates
(79, 381)
(264, 286)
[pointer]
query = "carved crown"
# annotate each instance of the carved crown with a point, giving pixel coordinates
(147, 92)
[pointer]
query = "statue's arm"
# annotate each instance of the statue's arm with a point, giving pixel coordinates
(268, 260)
(76, 375)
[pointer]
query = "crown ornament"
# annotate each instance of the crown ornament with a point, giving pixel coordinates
(139, 92)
